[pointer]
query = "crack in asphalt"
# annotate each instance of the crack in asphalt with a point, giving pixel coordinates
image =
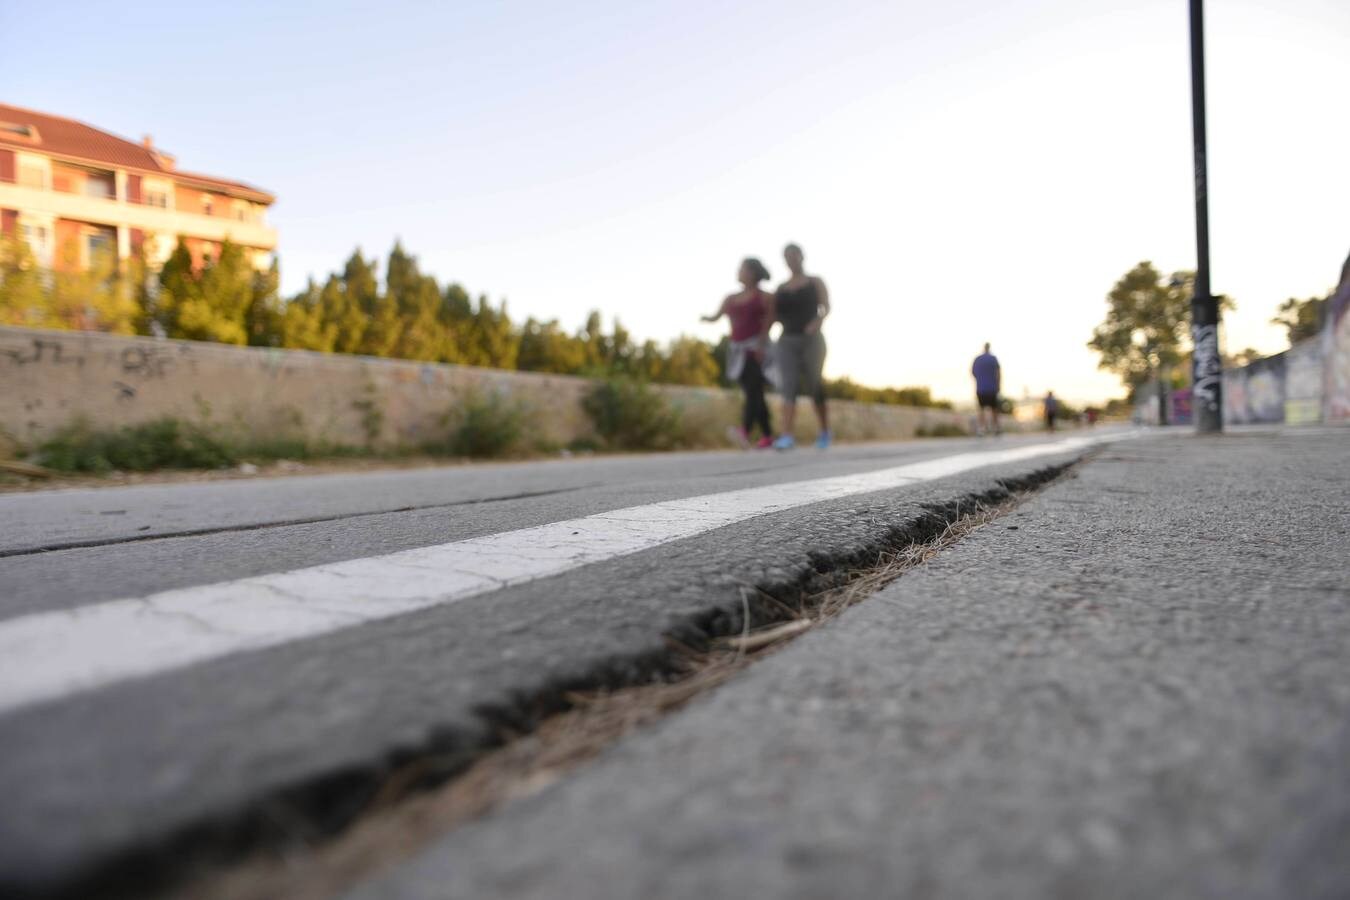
(287, 523)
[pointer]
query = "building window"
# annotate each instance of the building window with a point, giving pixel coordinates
(98, 186)
(208, 207)
(98, 243)
(38, 239)
(156, 197)
(23, 132)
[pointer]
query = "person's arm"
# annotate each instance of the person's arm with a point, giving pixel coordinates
(721, 311)
(998, 378)
(822, 305)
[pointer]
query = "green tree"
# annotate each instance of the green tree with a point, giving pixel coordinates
(141, 282)
(177, 286)
(424, 336)
(847, 389)
(341, 308)
(206, 304)
(90, 297)
(619, 350)
(489, 339)
(593, 337)
(1241, 358)
(688, 360)
(227, 289)
(648, 362)
(23, 296)
(381, 327)
(1147, 323)
(303, 323)
(1301, 319)
(455, 316)
(546, 347)
(417, 299)
(263, 320)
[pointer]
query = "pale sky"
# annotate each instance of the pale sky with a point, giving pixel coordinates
(957, 172)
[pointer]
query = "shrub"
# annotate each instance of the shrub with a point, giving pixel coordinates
(942, 429)
(165, 443)
(486, 427)
(629, 415)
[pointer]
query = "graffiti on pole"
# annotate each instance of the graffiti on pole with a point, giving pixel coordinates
(1208, 367)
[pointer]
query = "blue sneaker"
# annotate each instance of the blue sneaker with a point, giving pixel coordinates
(823, 440)
(784, 442)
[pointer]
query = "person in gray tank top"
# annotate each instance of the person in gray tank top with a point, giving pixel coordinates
(801, 305)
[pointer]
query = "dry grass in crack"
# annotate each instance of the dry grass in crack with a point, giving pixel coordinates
(862, 583)
(400, 820)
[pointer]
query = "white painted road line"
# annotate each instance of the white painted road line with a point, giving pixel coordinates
(47, 656)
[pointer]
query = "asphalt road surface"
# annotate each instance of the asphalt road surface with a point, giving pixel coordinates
(178, 662)
(1135, 685)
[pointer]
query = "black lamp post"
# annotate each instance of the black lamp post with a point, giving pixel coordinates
(1206, 366)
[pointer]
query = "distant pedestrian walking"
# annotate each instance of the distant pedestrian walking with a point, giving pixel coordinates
(1051, 410)
(988, 381)
(751, 312)
(801, 305)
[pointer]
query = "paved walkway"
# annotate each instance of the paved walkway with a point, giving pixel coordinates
(1135, 686)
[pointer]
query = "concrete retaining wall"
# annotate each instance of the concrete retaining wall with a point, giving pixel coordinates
(49, 378)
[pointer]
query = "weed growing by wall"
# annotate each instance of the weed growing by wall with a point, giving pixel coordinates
(942, 429)
(165, 443)
(169, 443)
(487, 426)
(629, 415)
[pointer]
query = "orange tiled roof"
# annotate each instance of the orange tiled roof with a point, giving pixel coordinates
(60, 136)
(234, 188)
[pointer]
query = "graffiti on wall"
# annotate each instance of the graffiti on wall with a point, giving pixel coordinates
(151, 360)
(1336, 356)
(1265, 389)
(1179, 406)
(41, 351)
(1235, 396)
(1303, 383)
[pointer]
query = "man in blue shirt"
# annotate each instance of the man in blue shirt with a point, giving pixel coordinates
(988, 378)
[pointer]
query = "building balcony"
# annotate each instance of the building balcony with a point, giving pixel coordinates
(150, 219)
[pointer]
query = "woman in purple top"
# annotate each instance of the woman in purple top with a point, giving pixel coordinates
(751, 312)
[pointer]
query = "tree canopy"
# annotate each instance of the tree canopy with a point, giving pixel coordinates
(1301, 319)
(1146, 333)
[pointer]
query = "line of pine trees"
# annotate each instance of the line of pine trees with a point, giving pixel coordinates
(407, 316)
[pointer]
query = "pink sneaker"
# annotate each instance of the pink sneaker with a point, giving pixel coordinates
(738, 437)
(764, 443)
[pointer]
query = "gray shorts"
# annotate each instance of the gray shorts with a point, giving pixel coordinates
(800, 358)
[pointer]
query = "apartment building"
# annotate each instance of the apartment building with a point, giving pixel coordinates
(71, 191)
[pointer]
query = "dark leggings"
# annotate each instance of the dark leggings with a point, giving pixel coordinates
(756, 409)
